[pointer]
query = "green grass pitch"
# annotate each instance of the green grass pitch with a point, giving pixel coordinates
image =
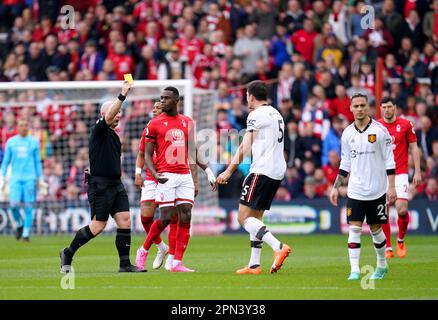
(317, 269)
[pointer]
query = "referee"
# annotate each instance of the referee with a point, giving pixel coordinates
(106, 193)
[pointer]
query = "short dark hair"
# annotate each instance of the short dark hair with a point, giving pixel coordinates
(359, 95)
(387, 100)
(174, 91)
(258, 89)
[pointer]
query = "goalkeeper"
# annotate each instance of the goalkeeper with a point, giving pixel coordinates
(23, 152)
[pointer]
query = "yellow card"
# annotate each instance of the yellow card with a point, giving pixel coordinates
(128, 77)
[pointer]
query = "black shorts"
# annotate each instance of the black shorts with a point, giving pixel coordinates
(106, 197)
(374, 210)
(258, 191)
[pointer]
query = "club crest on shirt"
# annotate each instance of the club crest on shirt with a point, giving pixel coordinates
(165, 123)
(398, 128)
(372, 138)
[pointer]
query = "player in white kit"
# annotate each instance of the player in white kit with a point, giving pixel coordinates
(264, 137)
(367, 156)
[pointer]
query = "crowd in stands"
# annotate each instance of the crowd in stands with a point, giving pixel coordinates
(314, 55)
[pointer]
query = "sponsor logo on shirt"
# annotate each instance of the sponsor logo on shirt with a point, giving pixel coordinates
(354, 153)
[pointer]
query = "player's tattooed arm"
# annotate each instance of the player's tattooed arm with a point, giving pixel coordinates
(339, 181)
(340, 178)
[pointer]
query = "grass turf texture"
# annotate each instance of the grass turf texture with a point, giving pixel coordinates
(317, 269)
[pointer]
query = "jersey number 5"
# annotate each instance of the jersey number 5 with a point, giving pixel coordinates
(280, 140)
(244, 192)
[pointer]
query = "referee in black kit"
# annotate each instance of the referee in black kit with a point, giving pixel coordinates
(106, 193)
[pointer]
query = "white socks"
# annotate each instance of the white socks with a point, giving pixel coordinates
(379, 245)
(162, 246)
(256, 251)
(257, 229)
(175, 263)
(354, 247)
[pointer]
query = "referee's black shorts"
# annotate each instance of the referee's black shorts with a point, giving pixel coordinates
(106, 197)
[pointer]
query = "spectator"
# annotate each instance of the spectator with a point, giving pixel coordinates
(91, 59)
(37, 63)
(331, 168)
(265, 16)
(250, 49)
(304, 41)
(315, 115)
(392, 19)
(411, 28)
(294, 17)
(355, 20)
(147, 68)
(429, 23)
(123, 63)
(308, 147)
(52, 172)
(237, 115)
(282, 195)
(320, 15)
(379, 38)
(189, 45)
(431, 191)
(309, 189)
(339, 21)
(280, 47)
(173, 66)
(425, 135)
(340, 105)
(332, 141)
(321, 185)
(332, 51)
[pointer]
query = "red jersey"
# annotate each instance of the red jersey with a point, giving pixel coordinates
(122, 64)
(170, 135)
(304, 43)
(402, 133)
(189, 48)
(142, 149)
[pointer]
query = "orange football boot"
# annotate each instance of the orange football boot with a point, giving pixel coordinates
(401, 249)
(389, 254)
(248, 270)
(279, 257)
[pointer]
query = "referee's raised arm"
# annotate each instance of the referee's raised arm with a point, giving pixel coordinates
(110, 109)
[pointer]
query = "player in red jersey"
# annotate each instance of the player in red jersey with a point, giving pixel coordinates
(147, 202)
(403, 139)
(171, 135)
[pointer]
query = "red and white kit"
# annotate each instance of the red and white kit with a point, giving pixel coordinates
(148, 193)
(402, 133)
(170, 136)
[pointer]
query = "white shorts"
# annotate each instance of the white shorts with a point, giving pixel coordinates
(177, 190)
(402, 186)
(148, 191)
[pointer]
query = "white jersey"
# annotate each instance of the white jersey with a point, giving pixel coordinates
(367, 155)
(268, 146)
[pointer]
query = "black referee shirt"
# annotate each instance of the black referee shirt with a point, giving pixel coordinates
(105, 151)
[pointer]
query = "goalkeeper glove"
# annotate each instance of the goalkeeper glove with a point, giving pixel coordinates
(43, 187)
